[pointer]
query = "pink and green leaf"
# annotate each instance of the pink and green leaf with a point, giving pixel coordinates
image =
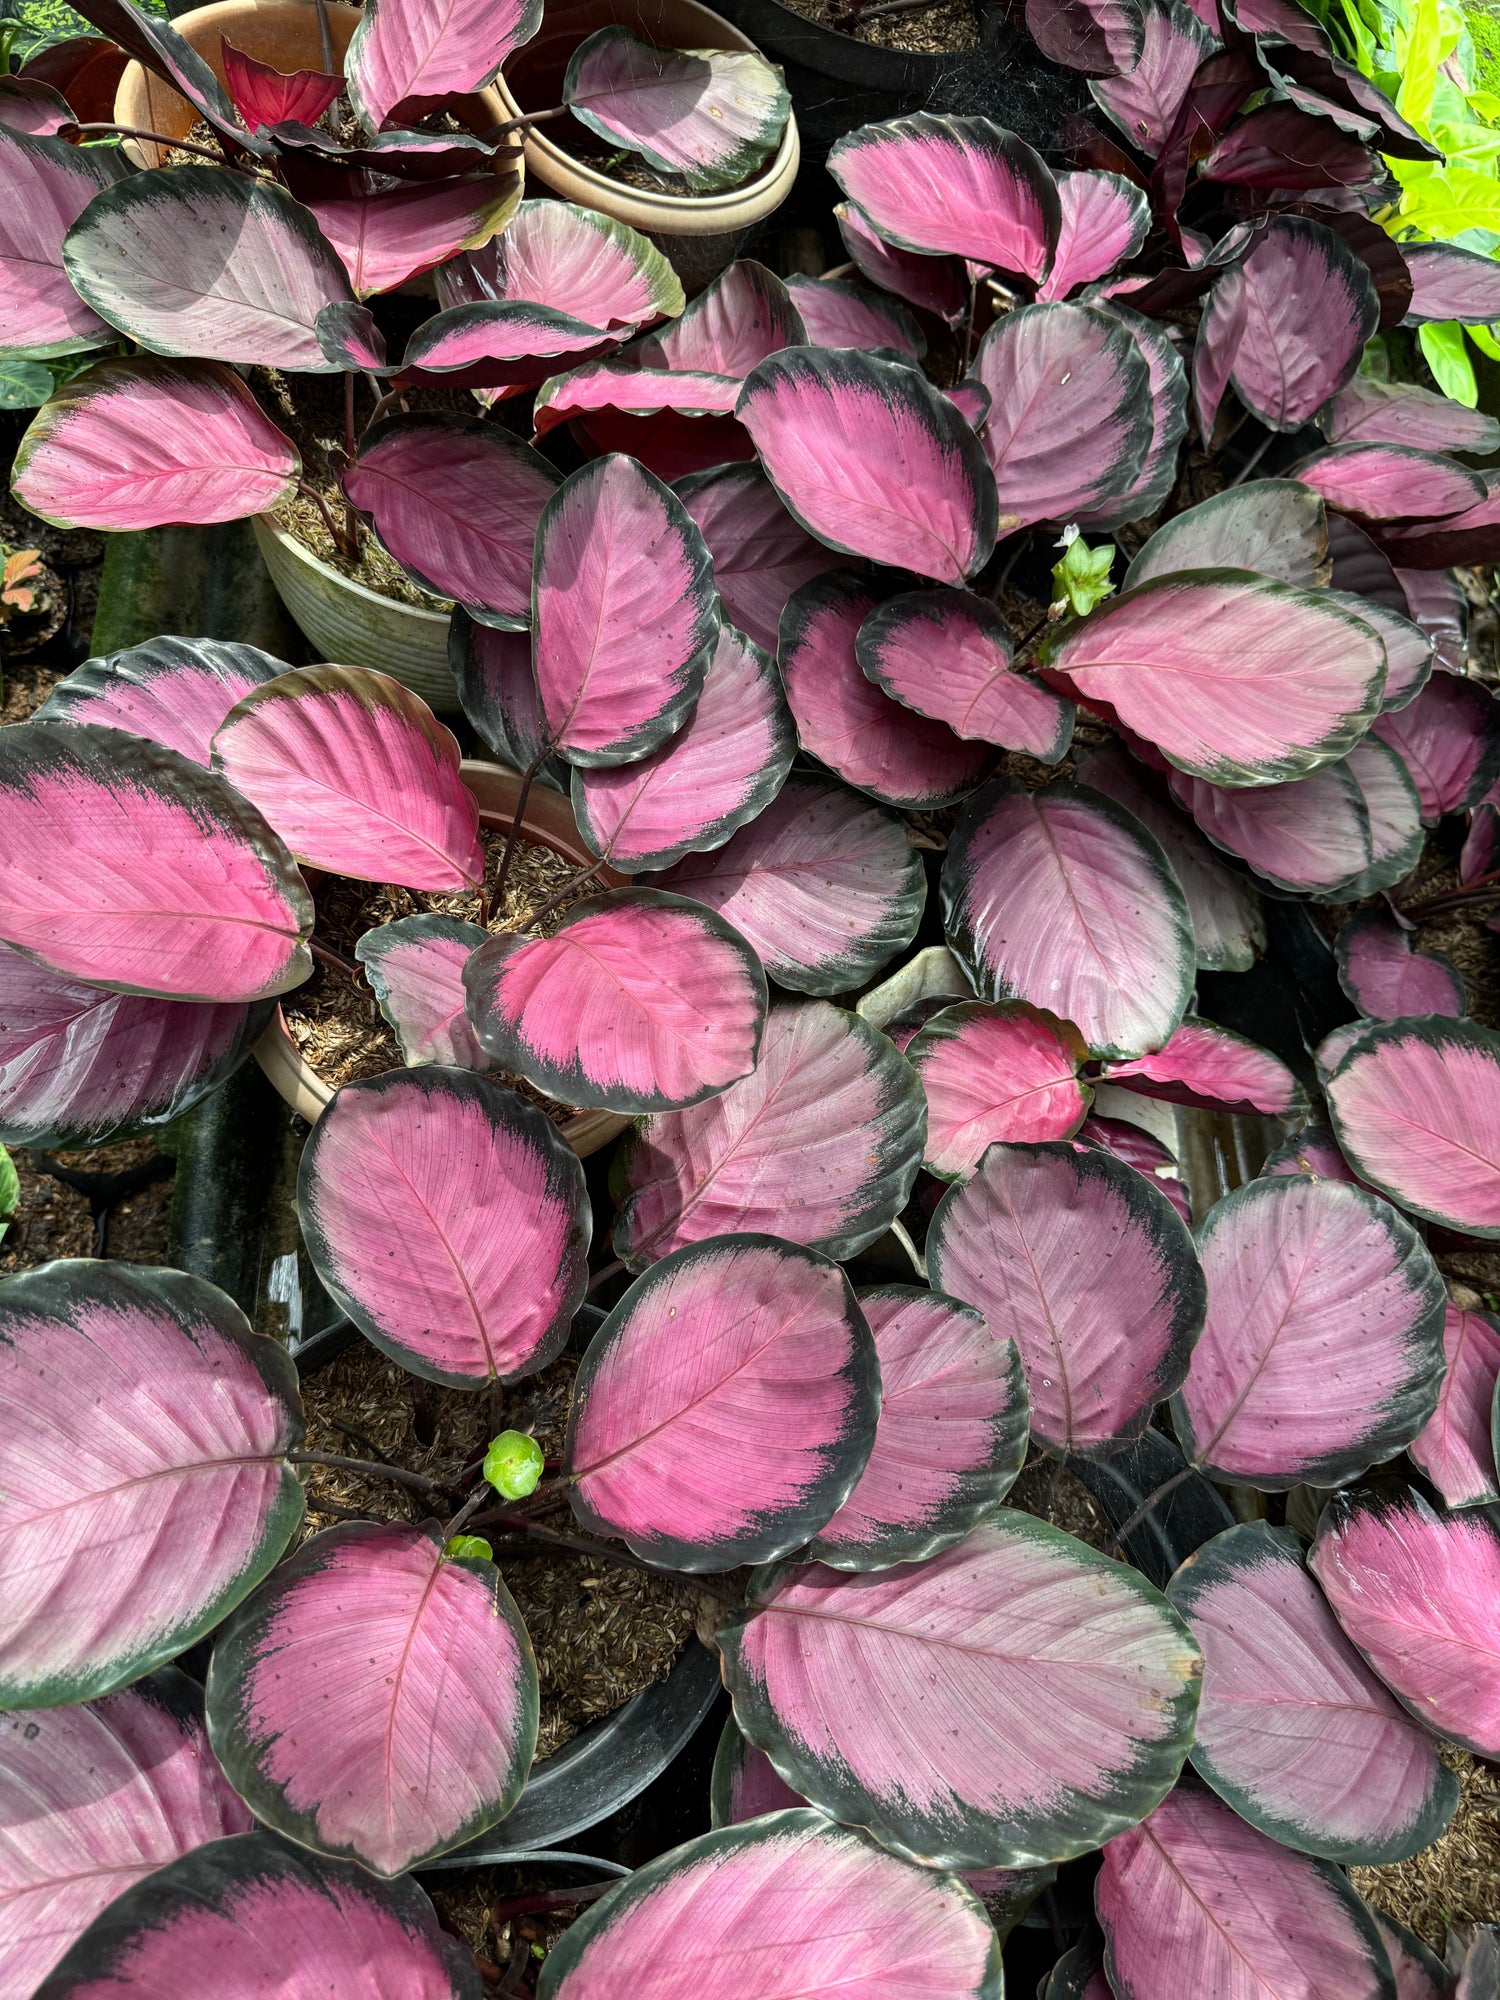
(1276, 527)
(415, 967)
(176, 691)
(1385, 978)
(745, 1783)
(1137, 1148)
(1449, 740)
(1168, 391)
(1215, 1070)
(48, 185)
(1369, 412)
(1098, 37)
(837, 313)
(1390, 482)
(1144, 99)
(1104, 222)
(935, 284)
(498, 693)
(760, 553)
(1455, 1447)
(417, 48)
(1006, 1072)
(386, 235)
(1449, 283)
(742, 318)
(572, 260)
(1311, 835)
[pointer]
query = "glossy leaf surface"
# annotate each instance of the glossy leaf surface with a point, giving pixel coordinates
(266, 96)
(572, 260)
(1450, 283)
(385, 235)
(1389, 482)
(1456, 1446)
(415, 967)
(49, 185)
(417, 48)
(1211, 1068)
(836, 313)
(1003, 1072)
(1371, 412)
(176, 691)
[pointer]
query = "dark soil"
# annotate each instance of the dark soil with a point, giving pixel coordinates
(55, 1220)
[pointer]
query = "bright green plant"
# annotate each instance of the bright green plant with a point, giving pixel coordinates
(10, 1191)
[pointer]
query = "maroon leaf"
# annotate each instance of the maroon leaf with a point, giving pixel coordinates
(1211, 1068)
(1456, 1446)
(1449, 740)
(49, 184)
(1470, 537)
(86, 69)
(838, 314)
(1449, 283)
(1369, 412)
(266, 96)
(760, 554)
(415, 967)
(1099, 37)
(1312, 1151)
(27, 105)
(1144, 101)
(675, 423)
(1003, 1072)
(937, 284)
(1390, 482)
(158, 47)
(503, 344)
(1436, 602)
(1279, 146)
(1385, 978)
(1339, 84)
(1138, 1149)
(1358, 566)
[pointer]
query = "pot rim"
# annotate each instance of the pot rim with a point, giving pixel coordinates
(268, 526)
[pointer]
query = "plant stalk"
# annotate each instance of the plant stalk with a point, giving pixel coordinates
(512, 839)
(575, 882)
(417, 1481)
(1151, 1500)
(104, 129)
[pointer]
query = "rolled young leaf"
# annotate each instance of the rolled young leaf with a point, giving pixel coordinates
(1294, 1731)
(1196, 1900)
(1215, 1070)
(1103, 1338)
(936, 284)
(1061, 898)
(487, 1288)
(176, 691)
(852, 1683)
(1455, 1447)
(624, 613)
(825, 884)
(826, 1907)
(94, 1797)
(357, 775)
(1006, 1072)
(147, 1487)
(1449, 740)
(638, 1002)
(1322, 1350)
(415, 967)
(726, 1407)
(821, 1144)
(270, 1917)
(760, 554)
(1412, 1103)
(923, 1488)
(48, 184)
(146, 443)
(1385, 978)
(1137, 1148)
(899, 476)
(129, 866)
(1415, 1591)
(150, 256)
(412, 48)
(424, 1723)
(1276, 527)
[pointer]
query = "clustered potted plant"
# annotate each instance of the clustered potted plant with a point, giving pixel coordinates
(798, 592)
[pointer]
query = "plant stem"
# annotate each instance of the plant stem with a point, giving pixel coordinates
(1167, 1486)
(417, 1481)
(605, 1552)
(332, 959)
(575, 882)
(502, 876)
(599, 1276)
(219, 157)
(1253, 460)
(1482, 889)
(384, 403)
(325, 37)
(351, 444)
(467, 1512)
(531, 118)
(973, 282)
(549, 1899)
(344, 538)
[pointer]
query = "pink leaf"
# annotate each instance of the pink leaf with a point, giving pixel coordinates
(1456, 1447)
(741, 319)
(1168, 388)
(1102, 1338)
(1276, 527)
(995, 1072)
(1144, 100)
(502, 344)
(357, 776)
(386, 234)
(572, 260)
(1322, 1351)
(1294, 1731)
(147, 1488)
(266, 96)
(923, 1489)
(1311, 836)
(856, 1683)
(847, 722)
(1418, 1974)
(415, 967)
(350, 338)
(1312, 1152)
(48, 186)
(427, 1723)
(726, 1407)
(1449, 283)
(1385, 978)
(1408, 650)
(176, 691)
(1138, 1149)
(820, 1145)
(1390, 482)
(145, 443)
(936, 284)
(486, 1288)
(1061, 898)
(825, 885)
(28, 105)
(872, 460)
(674, 423)
(222, 913)
(1449, 740)
(838, 314)
(1099, 37)
(745, 1782)
(1218, 1071)
(1435, 601)
(760, 554)
(497, 690)
(417, 48)
(1369, 412)
(1104, 222)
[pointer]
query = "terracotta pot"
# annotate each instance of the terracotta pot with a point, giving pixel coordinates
(700, 234)
(547, 822)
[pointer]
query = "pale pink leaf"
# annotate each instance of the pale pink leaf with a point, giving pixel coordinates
(739, 320)
(420, 48)
(1448, 283)
(836, 313)
(1390, 482)
(1366, 411)
(573, 261)
(1456, 1447)
(1144, 101)
(935, 284)
(176, 691)
(1449, 740)
(1385, 978)
(415, 967)
(48, 186)
(1312, 835)
(1208, 1067)
(1005, 1071)
(386, 235)
(760, 553)
(1104, 222)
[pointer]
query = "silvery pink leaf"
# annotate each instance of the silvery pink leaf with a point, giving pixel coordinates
(760, 554)
(427, 1723)
(48, 185)
(625, 617)
(1390, 482)
(1104, 222)
(1311, 836)
(852, 1683)
(1415, 1591)
(745, 1783)
(415, 967)
(827, 1908)
(350, 338)
(220, 913)
(1369, 412)
(742, 318)
(1061, 898)
(80, 1067)
(572, 260)
(144, 443)
(971, 399)
(1408, 650)
(31, 106)
(848, 723)
(498, 693)
(176, 691)
(94, 1797)
(712, 115)
(385, 234)
(1331, 1051)
(1417, 1973)
(1456, 1446)
(1449, 740)
(1006, 1071)
(821, 1145)
(1276, 527)
(726, 1407)
(1385, 978)
(962, 186)
(1144, 100)
(1282, 146)
(1435, 601)
(1195, 1900)
(638, 1002)
(504, 344)
(199, 260)
(1138, 1149)
(1234, 677)
(923, 1489)
(1395, 815)
(1322, 1351)
(357, 776)
(1070, 418)
(721, 769)
(1412, 1104)
(836, 313)
(487, 1288)
(1312, 1151)
(1481, 1968)
(873, 460)
(147, 1488)
(947, 654)
(1294, 1731)
(266, 96)
(1099, 37)
(1286, 326)
(1209, 1067)
(1223, 907)
(825, 884)
(1449, 283)
(456, 501)
(1103, 1338)
(936, 284)
(272, 1919)
(1168, 388)
(416, 48)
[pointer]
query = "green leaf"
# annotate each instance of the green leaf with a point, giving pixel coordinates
(472, 1548)
(513, 1464)
(1081, 579)
(24, 385)
(1447, 355)
(10, 1191)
